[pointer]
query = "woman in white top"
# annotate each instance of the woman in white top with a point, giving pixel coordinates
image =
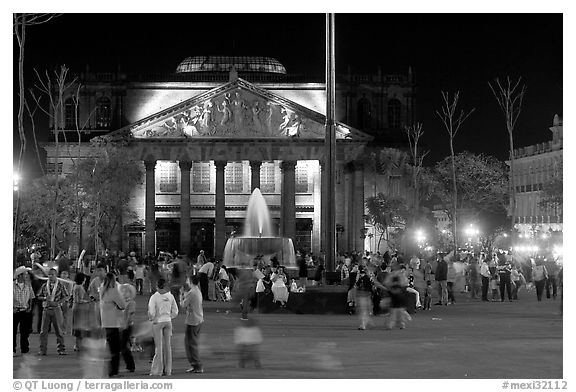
(162, 309)
(279, 289)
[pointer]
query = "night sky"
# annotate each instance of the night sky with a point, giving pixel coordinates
(446, 51)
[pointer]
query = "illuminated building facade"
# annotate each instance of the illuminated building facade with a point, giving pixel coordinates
(217, 128)
(534, 167)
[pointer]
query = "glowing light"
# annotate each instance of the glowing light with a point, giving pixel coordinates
(544, 236)
(505, 235)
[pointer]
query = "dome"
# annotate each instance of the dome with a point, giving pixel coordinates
(225, 63)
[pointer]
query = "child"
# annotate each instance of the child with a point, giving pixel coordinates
(494, 283)
(144, 339)
(428, 295)
(248, 338)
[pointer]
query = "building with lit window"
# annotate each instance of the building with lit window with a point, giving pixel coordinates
(217, 128)
(534, 167)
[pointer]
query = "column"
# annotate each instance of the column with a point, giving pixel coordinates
(185, 234)
(316, 226)
(255, 170)
(323, 191)
(150, 208)
(220, 209)
(289, 199)
(358, 205)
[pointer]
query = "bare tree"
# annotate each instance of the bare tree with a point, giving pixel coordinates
(414, 133)
(56, 88)
(452, 122)
(509, 97)
(21, 22)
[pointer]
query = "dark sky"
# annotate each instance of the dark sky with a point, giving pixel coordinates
(447, 52)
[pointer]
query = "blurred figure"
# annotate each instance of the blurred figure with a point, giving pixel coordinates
(94, 294)
(247, 279)
(81, 305)
(112, 317)
(517, 281)
(364, 287)
(248, 338)
(22, 297)
(474, 279)
(66, 316)
(162, 308)
(139, 275)
(191, 303)
(397, 284)
(539, 275)
(53, 294)
(128, 292)
(94, 358)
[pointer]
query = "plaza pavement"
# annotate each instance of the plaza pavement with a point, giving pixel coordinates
(471, 339)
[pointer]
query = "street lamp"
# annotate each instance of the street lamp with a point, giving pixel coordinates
(16, 187)
(420, 237)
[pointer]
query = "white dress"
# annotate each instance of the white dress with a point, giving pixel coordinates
(279, 288)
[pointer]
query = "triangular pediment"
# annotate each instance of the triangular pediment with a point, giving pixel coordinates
(237, 109)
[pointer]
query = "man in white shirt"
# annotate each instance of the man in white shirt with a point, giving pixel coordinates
(485, 274)
(205, 271)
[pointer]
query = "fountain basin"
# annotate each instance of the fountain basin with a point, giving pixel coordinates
(241, 251)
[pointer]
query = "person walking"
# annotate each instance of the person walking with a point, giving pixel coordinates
(94, 294)
(162, 308)
(364, 287)
(139, 275)
(128, 293)
(81, 311)
(111, 313)
(53, 294)
(441, 275)
(22, 296)
(191, 303)
(474, 278)
(539, 275)
(204, 274)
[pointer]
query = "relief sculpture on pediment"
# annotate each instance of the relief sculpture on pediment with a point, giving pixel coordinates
(239, 113)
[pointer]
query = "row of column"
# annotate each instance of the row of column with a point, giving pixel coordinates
(288, 203)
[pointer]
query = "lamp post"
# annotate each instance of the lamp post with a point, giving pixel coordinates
(16, 188)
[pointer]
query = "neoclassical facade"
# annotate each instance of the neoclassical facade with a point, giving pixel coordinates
(220, 127)
(533, 167)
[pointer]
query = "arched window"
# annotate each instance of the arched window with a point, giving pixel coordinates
(103, 114)
(394, 113)
(70, 114)
(364, 113)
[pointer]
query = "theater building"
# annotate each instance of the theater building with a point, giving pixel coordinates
(217, 128)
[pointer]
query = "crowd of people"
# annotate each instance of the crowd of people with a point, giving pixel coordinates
(96, 302)
(392, 283)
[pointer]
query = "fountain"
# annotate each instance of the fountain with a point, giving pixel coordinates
(258, 239)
